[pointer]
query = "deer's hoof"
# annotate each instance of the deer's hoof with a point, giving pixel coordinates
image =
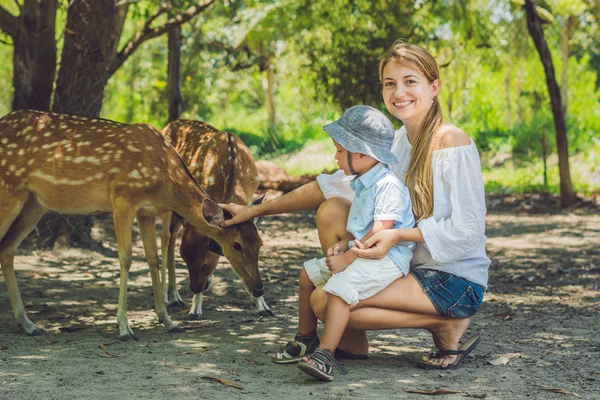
(129, 336)
(176, 329)
(195, 317)
(266, 313)
(37, 332)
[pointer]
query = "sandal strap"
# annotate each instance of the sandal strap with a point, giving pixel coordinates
(437, 353)
(322, 356)
(296, 348)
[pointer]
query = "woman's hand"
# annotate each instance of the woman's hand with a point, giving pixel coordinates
(377, 246)
(240, 214)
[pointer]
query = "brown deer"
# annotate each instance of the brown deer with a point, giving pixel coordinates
(224, 166)
(78, 165)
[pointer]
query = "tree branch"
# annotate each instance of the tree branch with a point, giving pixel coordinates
(147, 32)
(125, 3)
(9, 24)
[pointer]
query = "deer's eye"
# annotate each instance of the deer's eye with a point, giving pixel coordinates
(237, 247)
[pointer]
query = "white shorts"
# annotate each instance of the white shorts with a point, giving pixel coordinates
(360, 280)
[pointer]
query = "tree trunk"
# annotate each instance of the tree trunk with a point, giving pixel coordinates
(567, 30)
(91, 37)
(34, 56)
(174, 75)
(567, 193)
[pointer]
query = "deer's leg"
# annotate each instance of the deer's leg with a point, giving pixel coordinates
(147, 226)
(165, 242)
(123, 219)
(19, 219)
(174, 297)
(208, 266)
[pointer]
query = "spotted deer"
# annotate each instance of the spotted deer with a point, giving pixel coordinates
(78, 165)
(223, 165)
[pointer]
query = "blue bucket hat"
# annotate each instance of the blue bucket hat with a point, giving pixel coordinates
(365, 130)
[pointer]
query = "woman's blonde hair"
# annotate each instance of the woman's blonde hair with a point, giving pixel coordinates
(419, 175)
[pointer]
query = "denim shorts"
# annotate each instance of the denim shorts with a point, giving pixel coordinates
(451, 295)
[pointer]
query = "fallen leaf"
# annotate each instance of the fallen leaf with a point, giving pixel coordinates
(3, 348)
(562, 391)
(108, 355)
(197, 350)
(103, 346)
(499, 361)
(224, 381)
(434, 392)
(504, 316)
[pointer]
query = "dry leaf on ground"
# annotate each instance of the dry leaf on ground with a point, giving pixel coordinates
(103, 346)
(224, 381)
(434, 392)
(499, 361)
(104, 354)
(197, 350)
(563, 391)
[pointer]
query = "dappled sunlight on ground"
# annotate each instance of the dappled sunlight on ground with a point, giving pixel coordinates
(539, 320)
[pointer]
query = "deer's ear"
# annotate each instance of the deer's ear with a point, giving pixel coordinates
(212, 213)
(258, 201)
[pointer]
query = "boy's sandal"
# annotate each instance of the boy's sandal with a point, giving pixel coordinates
(294, 351)
(322, 365)
(462, 353)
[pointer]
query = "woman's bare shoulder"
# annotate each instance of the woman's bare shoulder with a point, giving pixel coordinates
(451, 136)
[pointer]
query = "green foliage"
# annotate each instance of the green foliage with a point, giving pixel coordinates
(324, 56)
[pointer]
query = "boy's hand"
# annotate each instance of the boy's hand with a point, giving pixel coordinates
(339, 248)
(338, 263)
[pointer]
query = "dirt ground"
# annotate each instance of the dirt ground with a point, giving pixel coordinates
(539, 323)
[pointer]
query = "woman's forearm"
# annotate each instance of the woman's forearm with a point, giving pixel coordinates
(306, 197)
(409, 235)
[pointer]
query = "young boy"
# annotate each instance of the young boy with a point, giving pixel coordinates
(363, 137)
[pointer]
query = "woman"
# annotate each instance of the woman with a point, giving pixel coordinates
(440, 165)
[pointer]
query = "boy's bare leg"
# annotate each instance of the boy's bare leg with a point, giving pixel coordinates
(335, 323)
(307, 320)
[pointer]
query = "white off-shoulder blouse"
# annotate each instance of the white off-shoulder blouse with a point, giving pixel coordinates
(455, 234)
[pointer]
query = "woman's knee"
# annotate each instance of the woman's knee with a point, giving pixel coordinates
(331, 221)
(332, 212)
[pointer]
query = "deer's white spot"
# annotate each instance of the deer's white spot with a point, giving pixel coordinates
(47, 134)
(30, 162)
(82, 159)
(133, 149)
(114, 170)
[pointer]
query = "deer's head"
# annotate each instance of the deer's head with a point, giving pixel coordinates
(240, 244)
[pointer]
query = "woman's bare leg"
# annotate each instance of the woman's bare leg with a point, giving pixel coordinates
(331, 221)
(403, 304)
